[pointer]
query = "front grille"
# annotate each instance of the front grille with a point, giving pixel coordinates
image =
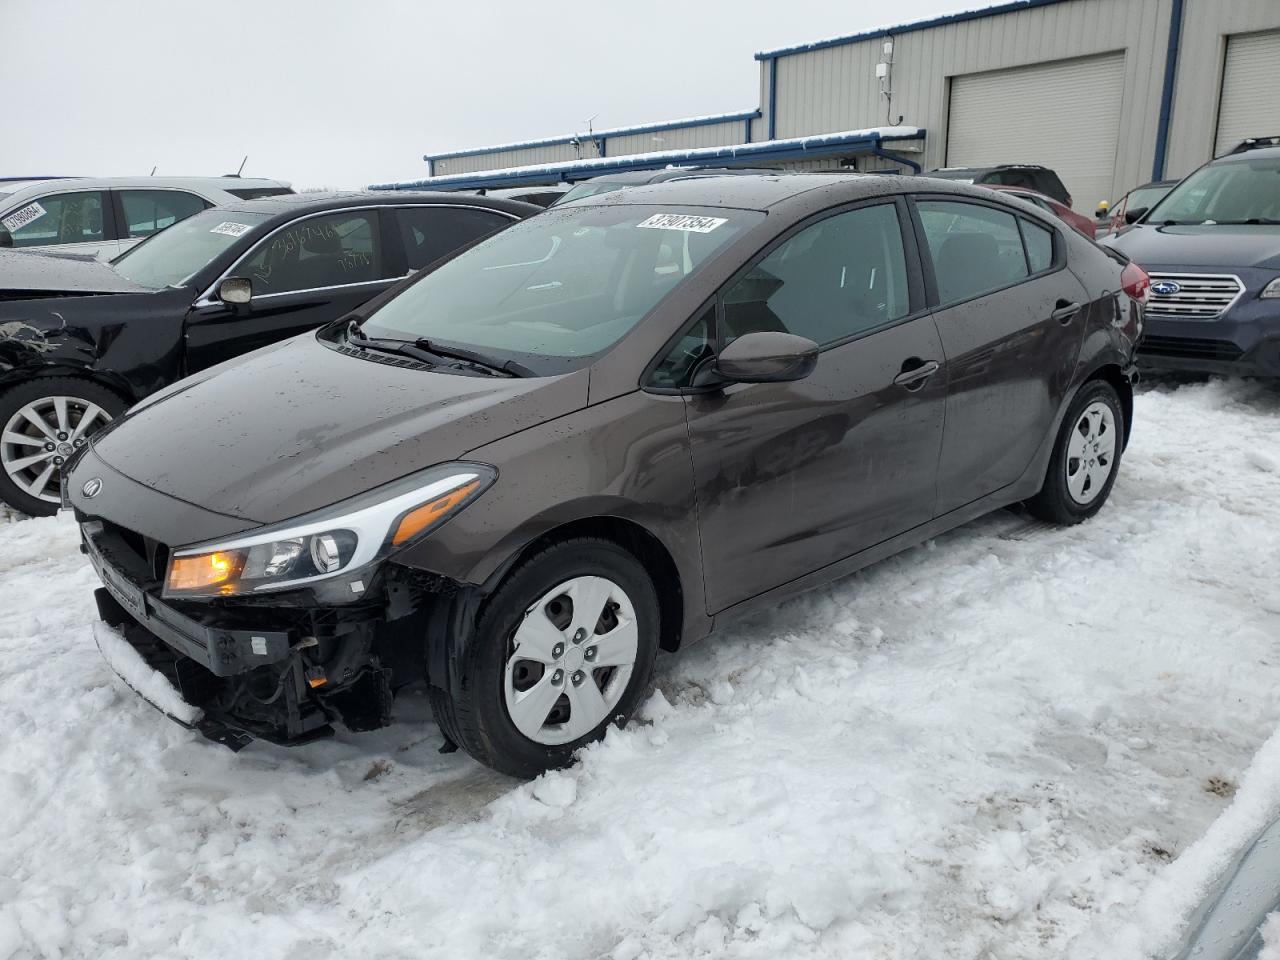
(1189, 348)
(146, 554)
(1200, 296)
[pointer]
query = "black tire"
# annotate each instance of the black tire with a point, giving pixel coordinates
(475, 716)
(1055, 503)
(15, 398)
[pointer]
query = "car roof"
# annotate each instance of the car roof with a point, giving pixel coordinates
(1252, 153)
(222, 184)
(292, 203)
(765, 191)
(960, 171)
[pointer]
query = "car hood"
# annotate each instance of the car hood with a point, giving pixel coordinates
(24, 271)
(1201, 246)
(291, 430)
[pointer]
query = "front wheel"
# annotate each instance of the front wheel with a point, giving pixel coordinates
(564, 648)
(42, 423)
(1086, 457)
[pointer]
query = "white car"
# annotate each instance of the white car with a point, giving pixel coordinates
(104, 216)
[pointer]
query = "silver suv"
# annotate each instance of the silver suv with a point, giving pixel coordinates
(105, 216)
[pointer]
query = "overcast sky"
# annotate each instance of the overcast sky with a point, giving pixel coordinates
(343, 93)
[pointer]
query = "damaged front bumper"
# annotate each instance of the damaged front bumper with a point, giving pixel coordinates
(283, 671)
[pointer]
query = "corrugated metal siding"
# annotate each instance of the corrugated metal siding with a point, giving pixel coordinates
(683, 138)
(514, 158)
(1206, 26)
(836, 88)
(1064, 115)
(679, 138)
(1250, 104)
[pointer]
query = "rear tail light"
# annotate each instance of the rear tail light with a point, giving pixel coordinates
(1135, 282)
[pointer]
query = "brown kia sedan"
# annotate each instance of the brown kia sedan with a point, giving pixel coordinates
(520, 473)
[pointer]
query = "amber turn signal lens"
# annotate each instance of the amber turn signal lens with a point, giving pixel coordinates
(432, 512)
(204, 570)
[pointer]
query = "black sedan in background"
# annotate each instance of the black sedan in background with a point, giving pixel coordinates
(80, 340)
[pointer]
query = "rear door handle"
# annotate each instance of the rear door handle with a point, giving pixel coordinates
(917, 375)
(1064, 310)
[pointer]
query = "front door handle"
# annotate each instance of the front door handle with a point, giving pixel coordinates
(915, 372)
(1064, 310)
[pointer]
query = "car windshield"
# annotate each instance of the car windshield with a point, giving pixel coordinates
(589, 189)
(1146, 196)
(172, 256)
(1235, 191)
(563, 285)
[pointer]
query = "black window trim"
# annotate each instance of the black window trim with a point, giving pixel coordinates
(1058, 263)
(911, 255)
(208, 298)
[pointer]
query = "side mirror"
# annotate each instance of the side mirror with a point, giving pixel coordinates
(6, 238)
(767, 357)
(235, 290)
(1131, 216)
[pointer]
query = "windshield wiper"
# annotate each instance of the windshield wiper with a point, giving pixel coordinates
(511, 368)
(1252, 221)
(425, 351)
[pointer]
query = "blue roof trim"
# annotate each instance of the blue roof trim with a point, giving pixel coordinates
(706, 121)
(743, 154)
(902, 28)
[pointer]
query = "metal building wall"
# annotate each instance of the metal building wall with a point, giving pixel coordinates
(681, 137)
(1206, 25)
(835, 87)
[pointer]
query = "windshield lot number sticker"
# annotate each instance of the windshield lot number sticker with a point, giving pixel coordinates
(16, 221)
(680, 221)
(232, 229)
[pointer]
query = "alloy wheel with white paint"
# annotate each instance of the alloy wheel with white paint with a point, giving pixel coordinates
(39, 438)
(570, 660)
(1091, 452)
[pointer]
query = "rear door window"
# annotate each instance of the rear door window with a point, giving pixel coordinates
(429, 233)
(149, 211)
(57, 219)
(974, 249)
(326, 251)
(840, 277)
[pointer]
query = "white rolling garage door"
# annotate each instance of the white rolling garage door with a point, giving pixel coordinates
(1064, 115)
(1250, 104)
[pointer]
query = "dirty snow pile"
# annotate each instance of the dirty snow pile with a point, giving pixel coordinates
(1005, 743)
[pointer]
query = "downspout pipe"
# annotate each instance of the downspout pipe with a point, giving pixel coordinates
(1166, 93)
(773, 98)
(880, 151)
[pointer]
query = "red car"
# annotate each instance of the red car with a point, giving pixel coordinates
(1078, 221)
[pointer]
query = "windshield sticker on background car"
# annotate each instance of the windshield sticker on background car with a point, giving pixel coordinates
(16, 221)
(232, 229)
(680, 221)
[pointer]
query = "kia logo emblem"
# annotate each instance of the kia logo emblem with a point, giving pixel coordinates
(91, 488)
(1165, 288)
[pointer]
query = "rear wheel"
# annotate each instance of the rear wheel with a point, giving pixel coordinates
(42, 423)
(564, 647)
(1086, 457)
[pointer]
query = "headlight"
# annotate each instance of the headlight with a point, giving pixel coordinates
(332, 542)
(1271, 290)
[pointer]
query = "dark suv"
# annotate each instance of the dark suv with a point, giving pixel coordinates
(1029, 176)
(1212, 247)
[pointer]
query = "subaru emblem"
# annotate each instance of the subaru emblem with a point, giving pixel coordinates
(91, 488)
(1165, 288)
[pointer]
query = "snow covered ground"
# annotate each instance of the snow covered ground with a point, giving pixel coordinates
(1005, 743)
